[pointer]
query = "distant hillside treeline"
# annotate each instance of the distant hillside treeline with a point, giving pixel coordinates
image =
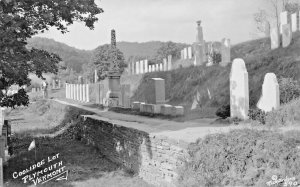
(75, 58)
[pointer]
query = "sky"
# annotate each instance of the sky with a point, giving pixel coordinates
(165, 20)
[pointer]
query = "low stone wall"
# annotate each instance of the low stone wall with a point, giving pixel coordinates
(154, 158)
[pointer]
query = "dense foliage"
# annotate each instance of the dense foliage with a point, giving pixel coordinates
(242, 158)
(19, 21)
(101, 59)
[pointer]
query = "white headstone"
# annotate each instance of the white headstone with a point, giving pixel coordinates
(84, 92)
(286, 35)
(283, 20)
(80, 92)
(198, 55)
(294, 22)
(96, 75)
(225, 53)
(274, 38)
(146, 66)
(161, 67)
(190, 53)
(137, 68)
(239, 90)
(270, 99)
(156, 67)
(141, 67)
(169, 62)
(133, 68)
(185, 53)
(165, 64)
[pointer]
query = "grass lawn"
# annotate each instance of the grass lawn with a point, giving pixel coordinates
(86, 165)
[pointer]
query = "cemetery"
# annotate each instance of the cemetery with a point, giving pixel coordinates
(213, 114)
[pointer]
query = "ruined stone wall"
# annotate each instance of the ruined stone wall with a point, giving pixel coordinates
(155, 159)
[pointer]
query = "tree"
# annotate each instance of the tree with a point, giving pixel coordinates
(102, 58)
(19, 21)
(168, 48)
(272, 14)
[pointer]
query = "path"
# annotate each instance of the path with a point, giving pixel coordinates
(188, 131)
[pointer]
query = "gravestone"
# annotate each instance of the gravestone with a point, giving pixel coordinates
(77, 92)
(169, 62)
(129, 68)
(137, 68)
(161, 67)
(146, 66)
(149, 68)
(190, 52)
(80, 92)
(87, 93)
(225, 53)
(136, 105)
(185, 53)
(156, 67)
(165, 64)
(166, 109)
(275, 37)
(294, 22)
(239, 90)
(125, 96)
(155, 91)
(270, 98)
(199, 37)
(141, 67)
(84, 93)
(286, 35)
(267, 28)
(96, 76)
(283, 20)
(198, 54)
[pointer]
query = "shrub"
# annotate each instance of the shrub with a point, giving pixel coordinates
(223, 111)
(242, 157)
(289, 89)
(287, 114)
(257, 115)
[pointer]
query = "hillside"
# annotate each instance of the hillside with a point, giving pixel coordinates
(182, 84)
(75, 58)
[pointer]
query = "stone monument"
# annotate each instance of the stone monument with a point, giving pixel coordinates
(270, 99)
(239, 90)
(286, 35)
(113, 75)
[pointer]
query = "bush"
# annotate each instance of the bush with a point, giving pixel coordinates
(257, 115)
(287, 114)
(289, 90)
(242, 157)
(223, 111)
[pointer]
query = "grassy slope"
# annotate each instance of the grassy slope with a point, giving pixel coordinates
(182, 84)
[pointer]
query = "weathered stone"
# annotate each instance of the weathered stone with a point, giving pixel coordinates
(165, 64)
(166, 109)
(151, 108)
(190, 53)
(199, 38)
(274, 38)
(283, 20)
(225, 52)
(270, 99)
(185, 53)
(80, 92)
(286, 35)
(141, 67)
(156, 67)
(169, 62)
(146, 66)
(161, 67)
(239, 90)
(198, 48)
(137, 68)
(87, 93)
(136, 105)
(155, 92)
(177, 111)
(294, 22)
(96, 76)
(267, 28)
(84, 93)
(125, 96)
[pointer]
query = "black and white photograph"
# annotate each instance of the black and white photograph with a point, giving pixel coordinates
(150, 93)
